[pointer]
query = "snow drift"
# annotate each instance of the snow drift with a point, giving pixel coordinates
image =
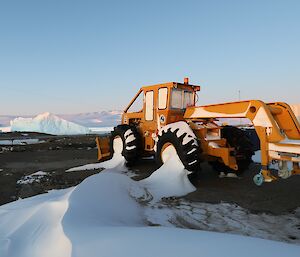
(47, 123)
(106, 215)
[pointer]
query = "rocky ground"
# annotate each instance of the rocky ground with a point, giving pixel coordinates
(55, 154)
(52, 157)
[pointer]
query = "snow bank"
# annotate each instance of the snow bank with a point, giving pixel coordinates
(116, 205)
(48, 123)
(105, 215)
(169, 180)
(117, 163)
(108, 215)
(33, 227)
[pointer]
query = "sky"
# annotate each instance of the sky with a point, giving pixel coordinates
(83, 56)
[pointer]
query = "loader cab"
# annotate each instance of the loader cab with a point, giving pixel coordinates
(158, 105)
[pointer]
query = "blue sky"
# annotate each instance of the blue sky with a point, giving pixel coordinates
(84, 56)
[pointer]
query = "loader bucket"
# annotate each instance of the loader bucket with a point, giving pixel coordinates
(103, 147)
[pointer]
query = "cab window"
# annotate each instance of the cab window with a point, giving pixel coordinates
(162, 98)
(137, 105)
(181, 99)
(188, 99)
(149, 105)
(176, 99)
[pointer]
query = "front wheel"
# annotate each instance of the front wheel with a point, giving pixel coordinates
(178, 138)
(125, 141)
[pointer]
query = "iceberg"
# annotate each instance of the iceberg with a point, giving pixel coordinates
(48, 123)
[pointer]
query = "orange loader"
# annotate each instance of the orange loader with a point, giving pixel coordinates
(168, 118)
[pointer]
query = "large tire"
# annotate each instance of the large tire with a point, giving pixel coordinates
(238, 139)
(131, 142)
(180, 135)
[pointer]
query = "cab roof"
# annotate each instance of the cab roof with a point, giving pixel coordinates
(172, 85)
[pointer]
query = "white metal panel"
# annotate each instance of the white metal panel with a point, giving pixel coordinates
(286, 148)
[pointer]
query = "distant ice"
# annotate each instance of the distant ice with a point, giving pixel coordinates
(48, 123)
(5, 129)
(93, 130)
(101, 130)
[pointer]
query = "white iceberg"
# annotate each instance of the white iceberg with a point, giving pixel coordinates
(48, 123)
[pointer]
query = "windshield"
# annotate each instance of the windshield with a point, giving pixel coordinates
(181, 99)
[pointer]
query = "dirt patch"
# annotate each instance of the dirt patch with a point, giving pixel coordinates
(279, 197)
(53, 156)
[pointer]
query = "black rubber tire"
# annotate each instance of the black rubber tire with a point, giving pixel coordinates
(238, 139)
(189, 154)
(131, 150)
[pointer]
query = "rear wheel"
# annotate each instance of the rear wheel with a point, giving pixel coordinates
(125, 140)
(179, 138)
(238, 139)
